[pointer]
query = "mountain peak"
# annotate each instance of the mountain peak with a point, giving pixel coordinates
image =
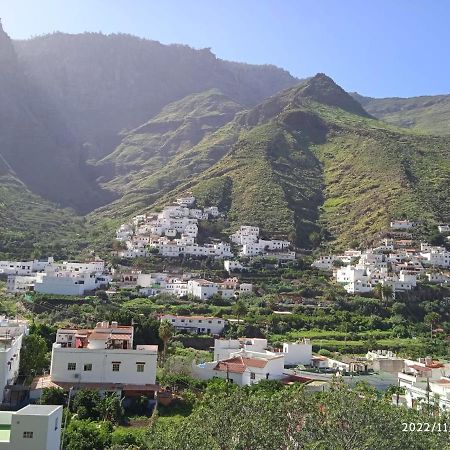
(323, 89)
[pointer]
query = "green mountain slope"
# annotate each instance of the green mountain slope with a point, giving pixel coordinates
(310, 163)
(428, 114)
(34, 227)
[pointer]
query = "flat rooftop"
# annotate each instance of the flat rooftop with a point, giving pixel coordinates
(38, 410)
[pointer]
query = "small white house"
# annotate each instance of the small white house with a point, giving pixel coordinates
(11, 335)
(102, 358)
(296, 353)
(243, 368)
(34, 427)
(196, 324)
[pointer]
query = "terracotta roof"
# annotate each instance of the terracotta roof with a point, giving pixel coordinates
(238, 364)
(419, 368)
(442, 381)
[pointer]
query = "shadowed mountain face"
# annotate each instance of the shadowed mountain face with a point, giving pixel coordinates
(106, 84)
(36, 145)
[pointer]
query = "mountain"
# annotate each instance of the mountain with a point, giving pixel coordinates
(103, 85)
(35, 145)
(429, 114)
(311, 164)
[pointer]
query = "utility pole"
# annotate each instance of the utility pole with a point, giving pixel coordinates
(65, 419)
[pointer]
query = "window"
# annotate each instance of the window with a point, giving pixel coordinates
(56, 423)
(252, 376)
(28, 435)
(115, 366)
(140, 366)
(71, 366)
(88, 367)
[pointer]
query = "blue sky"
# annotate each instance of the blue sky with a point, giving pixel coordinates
(376, 47)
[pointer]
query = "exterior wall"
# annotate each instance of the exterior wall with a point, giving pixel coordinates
(46, 429)
(224, 347)
(102, 362)
(295, 353)
(9, 363)
(196, 324)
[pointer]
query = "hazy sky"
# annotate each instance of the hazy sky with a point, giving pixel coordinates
(375, 47)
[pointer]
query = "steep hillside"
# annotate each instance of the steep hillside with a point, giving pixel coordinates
(429, 114)
(106, 84)
(147, 151)
(310, 163)
(33, 227)
(36, 145)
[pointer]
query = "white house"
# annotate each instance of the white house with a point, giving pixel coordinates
(425, 381)
(231, 265)
(186, 201)
(243, 367)
(36, 427)
(196, 324)
(444, 228)
(223, 348)
(102, 358)
(70, 283)
(11, 335)
(296, 353)
(229, 288)
(402, 225)
(21, 283)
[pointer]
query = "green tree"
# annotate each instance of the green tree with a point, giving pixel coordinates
(239, 309)
(431, 319)
(86, 404)
(110, 409)
(166, 332)
(53, 396)
(33, 356)
(86, 435)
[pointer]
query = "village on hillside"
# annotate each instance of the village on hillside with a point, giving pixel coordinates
(106, 358)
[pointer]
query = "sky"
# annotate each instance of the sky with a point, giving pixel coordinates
(380, 48)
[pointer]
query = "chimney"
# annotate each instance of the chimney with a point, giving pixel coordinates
(114, 324)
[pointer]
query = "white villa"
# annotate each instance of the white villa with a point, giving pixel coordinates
(425, 381)
(244, 367)
(196, 324)
(230, 288)
(11, 335)
(251, 245)
(102, 358)
(36, 427)
(49, 277)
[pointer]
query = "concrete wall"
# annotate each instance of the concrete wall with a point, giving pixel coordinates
(102, 366)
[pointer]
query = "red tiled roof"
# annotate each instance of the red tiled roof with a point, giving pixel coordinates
(238, 364)
(419, 368)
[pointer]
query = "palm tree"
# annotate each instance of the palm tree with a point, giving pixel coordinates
(166, 332)
(431, 319)
(239, 309)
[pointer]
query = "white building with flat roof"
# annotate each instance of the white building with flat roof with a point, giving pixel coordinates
(196, 324)
(102, 358)
(11, 335)
(34, 427)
